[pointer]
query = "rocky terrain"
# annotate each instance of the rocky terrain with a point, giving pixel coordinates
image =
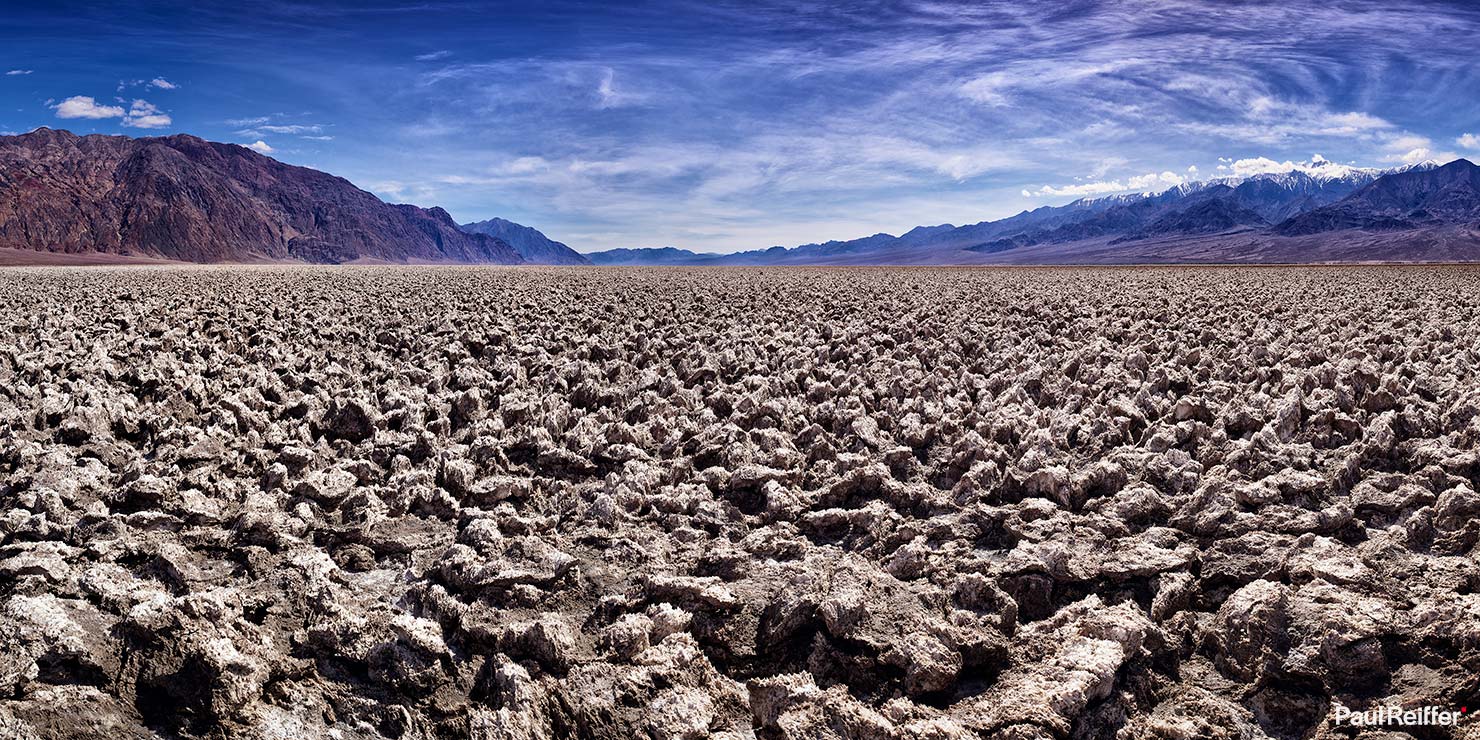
(187, 199)
(435, 503)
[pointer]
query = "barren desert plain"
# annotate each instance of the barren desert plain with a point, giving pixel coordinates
(430, 503)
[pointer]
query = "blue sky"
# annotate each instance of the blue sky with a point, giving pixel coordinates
(735, 125)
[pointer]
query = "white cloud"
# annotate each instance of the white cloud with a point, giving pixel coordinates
(1413, 149)
(15, 72)
(261, 147)
(158, 83)
(1412, 156)
(523, 166)
(1192, 169)
(604, 90)
(1107, 164)
(433, 56)
(607, 93)
(140, 114)
(143, 114)
(1150, 181)
(1469, 141)
(1352, 123)
(84, 106)
(1409, 141)
(1252, 166)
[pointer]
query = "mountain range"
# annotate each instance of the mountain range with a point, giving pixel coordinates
(102, 198)
(651, 256)
(1320, 213)
(183, 198)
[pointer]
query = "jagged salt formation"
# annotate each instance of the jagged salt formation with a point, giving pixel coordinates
(486, 503)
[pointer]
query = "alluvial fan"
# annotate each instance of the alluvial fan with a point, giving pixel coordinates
(525, 503)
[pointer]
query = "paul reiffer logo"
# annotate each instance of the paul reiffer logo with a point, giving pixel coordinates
(1396, 716)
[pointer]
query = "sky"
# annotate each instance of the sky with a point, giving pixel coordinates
(721, 126)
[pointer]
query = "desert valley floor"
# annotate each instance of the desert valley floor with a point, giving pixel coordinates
(435, 503)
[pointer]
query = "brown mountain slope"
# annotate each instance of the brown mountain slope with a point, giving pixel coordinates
(184, 198)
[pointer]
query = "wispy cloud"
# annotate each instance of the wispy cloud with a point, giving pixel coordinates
(292, 129)
(841, 106)
(1106, 164)
(1469, 141)
(157, 83)
(16, 72)
(261, 127)
(739, 123)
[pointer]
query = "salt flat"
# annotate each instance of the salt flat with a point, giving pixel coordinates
(689, 503)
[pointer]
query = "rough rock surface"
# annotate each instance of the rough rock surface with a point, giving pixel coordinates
(491, 503)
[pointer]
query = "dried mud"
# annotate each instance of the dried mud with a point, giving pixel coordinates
(529, 503)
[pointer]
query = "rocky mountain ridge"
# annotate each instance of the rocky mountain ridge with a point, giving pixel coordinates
(532, 245)
(187, 199)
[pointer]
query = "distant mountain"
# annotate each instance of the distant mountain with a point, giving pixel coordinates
(533, 246)
(1211, 216)
(1167, 226)
(184, 198)
(650, 256)
(1419, 199)
(1193, 209)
